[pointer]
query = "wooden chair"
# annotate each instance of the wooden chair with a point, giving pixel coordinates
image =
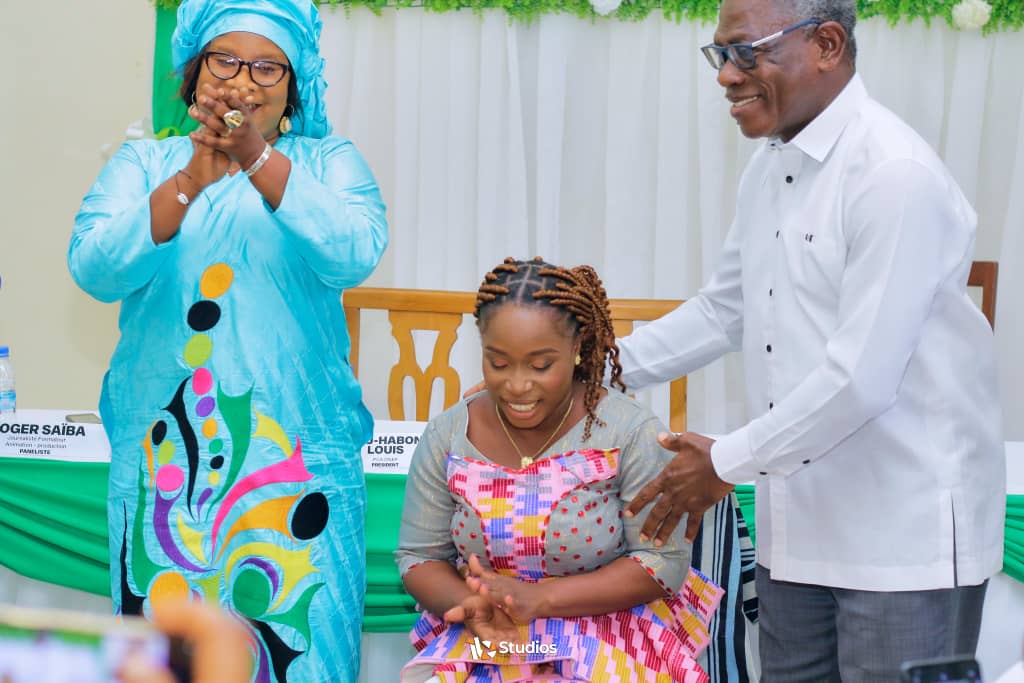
(985, 274)
(443, 312)
(625, 314)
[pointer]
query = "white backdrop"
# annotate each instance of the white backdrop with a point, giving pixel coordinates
(609, 143)
(603, 142)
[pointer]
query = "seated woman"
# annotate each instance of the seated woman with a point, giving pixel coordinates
(513, 539)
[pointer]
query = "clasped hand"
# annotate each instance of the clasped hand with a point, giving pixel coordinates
(499, 605)
(215, 145)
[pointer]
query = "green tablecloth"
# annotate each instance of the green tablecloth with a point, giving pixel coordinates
(53, 527)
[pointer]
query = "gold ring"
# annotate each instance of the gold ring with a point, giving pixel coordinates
(233, 119)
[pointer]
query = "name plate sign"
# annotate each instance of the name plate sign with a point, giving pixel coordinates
(53, 435)
(391, 448)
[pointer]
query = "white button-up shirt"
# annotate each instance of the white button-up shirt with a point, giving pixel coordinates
(876, 442)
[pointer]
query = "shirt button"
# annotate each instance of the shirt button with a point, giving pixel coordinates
(768, 348)
(763, 473)
(776, 234)
(769, 291)
(807, 462)
(789, 179)
(770, 405)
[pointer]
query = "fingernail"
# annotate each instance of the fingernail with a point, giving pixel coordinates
(663, 435)
(628, 513)
(659, 543)
(644, 538)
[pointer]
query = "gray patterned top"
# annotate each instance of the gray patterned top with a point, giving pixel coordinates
(558, 517)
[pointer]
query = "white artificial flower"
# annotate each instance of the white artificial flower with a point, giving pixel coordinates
(137, 130)
(605, 7)
(969, 15)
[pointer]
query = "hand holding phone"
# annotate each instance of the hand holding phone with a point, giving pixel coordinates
(956, 669)
(219, 645)
(57, 646)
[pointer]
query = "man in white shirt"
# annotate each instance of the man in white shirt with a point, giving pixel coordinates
(875, 439)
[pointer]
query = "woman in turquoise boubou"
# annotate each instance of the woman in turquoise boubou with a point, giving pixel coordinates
(234, 417)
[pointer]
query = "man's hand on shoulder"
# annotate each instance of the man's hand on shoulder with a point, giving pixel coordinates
(475, 389)
(688, 485)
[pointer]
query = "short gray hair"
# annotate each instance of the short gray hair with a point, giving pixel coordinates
(843, 12)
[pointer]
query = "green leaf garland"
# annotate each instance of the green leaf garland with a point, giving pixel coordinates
(1007, 15)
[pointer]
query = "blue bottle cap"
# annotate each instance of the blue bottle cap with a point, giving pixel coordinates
(4, 352)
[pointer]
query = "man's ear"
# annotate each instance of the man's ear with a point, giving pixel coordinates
(830, 39)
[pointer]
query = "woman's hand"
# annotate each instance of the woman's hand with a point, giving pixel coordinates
(242, 145)
(206, 166)
(520, 600)
(483, 619)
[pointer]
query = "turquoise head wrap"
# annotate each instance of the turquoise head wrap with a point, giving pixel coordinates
(292, 25)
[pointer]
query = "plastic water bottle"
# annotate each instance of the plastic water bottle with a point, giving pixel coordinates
(8, 398)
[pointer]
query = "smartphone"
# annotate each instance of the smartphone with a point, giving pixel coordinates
(956, 669)
(58, 646)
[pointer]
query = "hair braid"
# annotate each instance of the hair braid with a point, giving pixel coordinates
(579, 293)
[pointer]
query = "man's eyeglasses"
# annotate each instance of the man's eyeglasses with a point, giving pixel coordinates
(263, 72)
(744, 55)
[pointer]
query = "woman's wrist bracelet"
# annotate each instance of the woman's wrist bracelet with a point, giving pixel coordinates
(260, 160)
(179, 195)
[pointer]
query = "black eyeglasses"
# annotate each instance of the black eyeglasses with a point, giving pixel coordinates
(743, 55)
(263, 72)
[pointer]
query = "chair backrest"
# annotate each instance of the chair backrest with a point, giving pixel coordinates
(625, 314)
(443, 312)
(985, 274)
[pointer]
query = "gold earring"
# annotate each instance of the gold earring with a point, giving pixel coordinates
(285, 124)
(578, 359)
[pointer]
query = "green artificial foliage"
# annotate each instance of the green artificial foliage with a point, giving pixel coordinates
(1007, 15)
(170, 115)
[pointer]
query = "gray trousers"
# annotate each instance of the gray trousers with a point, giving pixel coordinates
(820, 634)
